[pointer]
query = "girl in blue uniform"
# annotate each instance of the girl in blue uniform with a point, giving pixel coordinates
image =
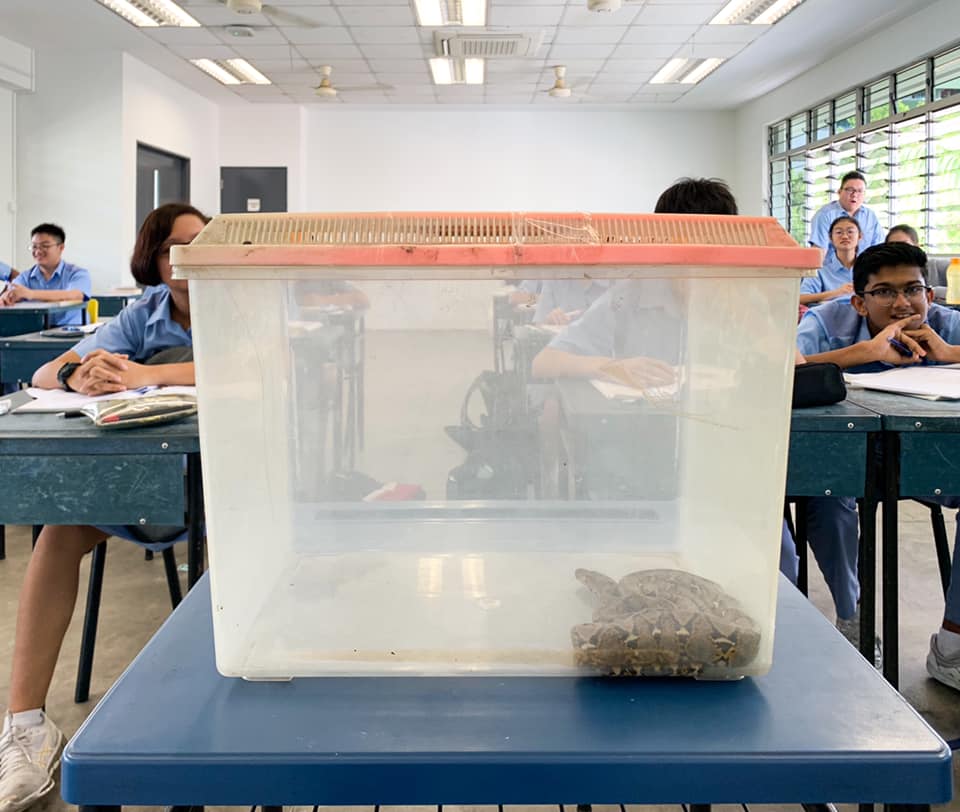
(111, 360)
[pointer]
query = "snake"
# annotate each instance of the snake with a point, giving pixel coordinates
(663, 622)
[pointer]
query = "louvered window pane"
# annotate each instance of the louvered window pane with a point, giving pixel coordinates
(778, 192)
(911, 87)
(908, 195)
(778, 138)
(946, 75)
(944, 197)
(798, 130)
(876, 101)
(820, 181)
(798, 214)
(845, 113)
(875, 165)
(822, 121)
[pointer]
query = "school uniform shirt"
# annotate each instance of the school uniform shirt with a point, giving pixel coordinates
(830, 277)
(5, 271)
(569, 295)
(633, 317)
(870, 231)
(64, 277)
(835, 325)
(531, 286)
(140, 330)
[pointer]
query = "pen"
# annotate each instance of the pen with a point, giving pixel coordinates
(900, 347)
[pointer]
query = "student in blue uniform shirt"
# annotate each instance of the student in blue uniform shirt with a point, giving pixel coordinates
(891, 321)
(110, 361)
(50, 279)
(7, 274)
(853, 189)
(835, 279)
(643, 316)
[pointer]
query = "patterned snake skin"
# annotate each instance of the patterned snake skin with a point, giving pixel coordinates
(663, 623)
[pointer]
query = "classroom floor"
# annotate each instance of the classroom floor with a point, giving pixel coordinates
(135, 598)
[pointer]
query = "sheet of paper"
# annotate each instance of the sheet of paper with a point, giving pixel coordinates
(619, 391)
(922, 381)
(48, 401)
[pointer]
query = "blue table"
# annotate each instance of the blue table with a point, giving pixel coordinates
(29, 317)
(22, 355)
(110, 304)
(822, 725)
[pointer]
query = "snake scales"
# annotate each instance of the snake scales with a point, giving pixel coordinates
(663, 622)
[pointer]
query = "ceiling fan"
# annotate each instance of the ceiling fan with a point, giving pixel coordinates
(275, 14)
(326, 90)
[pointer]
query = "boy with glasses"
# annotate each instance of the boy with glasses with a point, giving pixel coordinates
(890, 321)
(50, 279)
(853, 190)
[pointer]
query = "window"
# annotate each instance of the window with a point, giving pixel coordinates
(901, 130)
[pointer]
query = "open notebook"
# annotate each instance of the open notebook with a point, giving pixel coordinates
(931, 382)
(56, 400)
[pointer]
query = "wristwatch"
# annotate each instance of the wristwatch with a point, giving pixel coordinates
(64, 373)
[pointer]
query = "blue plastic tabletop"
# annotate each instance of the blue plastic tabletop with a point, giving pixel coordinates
(822, 725)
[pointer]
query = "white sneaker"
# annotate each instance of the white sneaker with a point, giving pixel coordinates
(28, 757)
(942, 668)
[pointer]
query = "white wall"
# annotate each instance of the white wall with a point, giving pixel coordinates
(916, 36)
(8, 197)
(266, 135)
(480, 160)
(68, 172)
(162, 113)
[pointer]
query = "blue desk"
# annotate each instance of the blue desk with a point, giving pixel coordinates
(22, 355)
(29, 317)
(110, 304)
(822, 725)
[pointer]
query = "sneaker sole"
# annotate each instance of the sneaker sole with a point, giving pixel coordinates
(933, 669)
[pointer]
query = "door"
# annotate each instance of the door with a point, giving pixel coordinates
(253, 188)
(162, 177)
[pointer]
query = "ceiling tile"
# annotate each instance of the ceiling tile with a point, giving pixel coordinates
(578, 14)
(376, 51)
(605, 34)
(170, 35)
(420, 90)
(525, 16)
(645, 50)
(709, 49)
(676, 14)
(301, 14)
(221, 15)
(617, 67)
(660, 33)
(341, 64)
(363, 98)
(399, 66)
(730, 33)
(292, 65)
(378, 15)
(405, 80)
(253, 52)
(262, 35)
(392, 35)
(305, 36)
(583, 66)
(204, 51)
(564, 52)
(514, 65)
(342, 4)
(325, 53)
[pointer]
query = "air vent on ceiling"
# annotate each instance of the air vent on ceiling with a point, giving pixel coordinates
(489, 45)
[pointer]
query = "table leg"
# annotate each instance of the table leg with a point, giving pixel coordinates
(195, 545)
(868, 546)
(889, 557)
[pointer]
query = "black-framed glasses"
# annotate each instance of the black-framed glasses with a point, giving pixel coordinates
(43, 246)
(887, 296)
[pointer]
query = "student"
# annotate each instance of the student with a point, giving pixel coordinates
(563, 300)
(636, 316)
(853, 188)
(892, 322)
(936, 266)
(111, 360)
(903, 233)
(835, 279)
(7, 274)
(50, 279)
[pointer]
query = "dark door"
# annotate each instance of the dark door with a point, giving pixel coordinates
(253, 188)
(162, 177)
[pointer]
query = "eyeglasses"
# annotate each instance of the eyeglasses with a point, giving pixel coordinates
(854, 191)
(43, 246)
(846, 232)
(887, 296)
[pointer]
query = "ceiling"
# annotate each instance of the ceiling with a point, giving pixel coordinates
(379, 55)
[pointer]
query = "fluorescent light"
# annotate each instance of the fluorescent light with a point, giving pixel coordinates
(218, 72)
(247, 72)
(442, 69)
(473, 71)
(754, 12)
(669, 72)
(151, 13)
(778, 10)
(436, 13)
(702, 70)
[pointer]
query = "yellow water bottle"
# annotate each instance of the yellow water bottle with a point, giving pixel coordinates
(953, 282)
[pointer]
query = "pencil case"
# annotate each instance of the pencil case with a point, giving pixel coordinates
(817, 385)
(146, 411)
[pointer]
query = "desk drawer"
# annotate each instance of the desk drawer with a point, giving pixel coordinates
(929, 461)
(821, 461)
(90, 489)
